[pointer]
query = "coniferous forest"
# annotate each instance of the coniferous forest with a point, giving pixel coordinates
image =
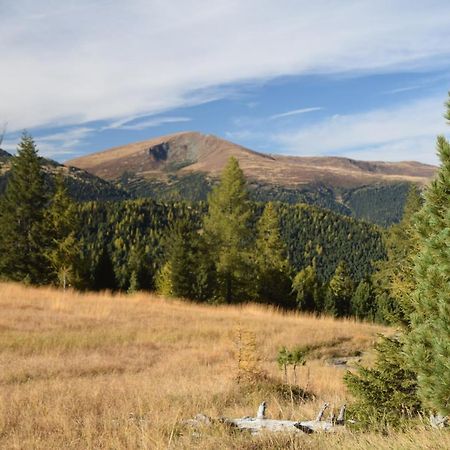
(231, 249)
(215, 247)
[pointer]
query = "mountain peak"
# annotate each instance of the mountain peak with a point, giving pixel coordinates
(190, 151)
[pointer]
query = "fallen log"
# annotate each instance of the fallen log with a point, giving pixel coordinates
(260, 423)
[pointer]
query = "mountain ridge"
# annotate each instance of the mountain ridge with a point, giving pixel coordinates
(82, 185)
(189, 152)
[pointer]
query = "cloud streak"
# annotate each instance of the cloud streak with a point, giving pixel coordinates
(107, 60)
(154, 122)
(295, 112)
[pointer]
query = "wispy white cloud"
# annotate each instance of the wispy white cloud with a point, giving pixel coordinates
(295, 112)
(105, 60)
(53, 145)
(153, 122)
(403, 89)
(406, 132)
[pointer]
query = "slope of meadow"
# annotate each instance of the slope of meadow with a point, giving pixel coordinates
(89, 371)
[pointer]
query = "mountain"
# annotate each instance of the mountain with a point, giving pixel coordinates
(186, 164)
(188, 152)
(82, 185)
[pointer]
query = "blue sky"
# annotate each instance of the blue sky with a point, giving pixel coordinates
(355, 78)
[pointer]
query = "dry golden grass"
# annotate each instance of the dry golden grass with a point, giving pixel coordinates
(96, 371)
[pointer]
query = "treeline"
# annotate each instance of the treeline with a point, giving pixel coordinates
(228, 249)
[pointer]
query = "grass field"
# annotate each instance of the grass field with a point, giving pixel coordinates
(96, 371)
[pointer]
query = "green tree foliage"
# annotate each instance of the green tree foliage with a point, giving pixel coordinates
(22, 237)
(295, 357)
(61, 225)
(393, 279)
(363, 304)
(307, 289)
(104, 276)
(135, 231)
(227, 232)
(313, 234)
(386, 392)
(413, 367)
(428, 342)
(272, 266)
(339, 292)
(163, 281)
(186, 264)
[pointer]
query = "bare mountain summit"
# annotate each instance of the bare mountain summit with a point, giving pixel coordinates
(191, 152)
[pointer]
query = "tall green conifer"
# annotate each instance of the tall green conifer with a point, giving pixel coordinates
(307, 289)
(428, 342)
(340, 291)
(228, 235)
(61, 225)
(22, 237)
(272, 266)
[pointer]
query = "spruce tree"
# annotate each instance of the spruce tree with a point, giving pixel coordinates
(22, 236)
(272, 266)
(181, 250)
(61, 224)
(228, 236)
(428, 343)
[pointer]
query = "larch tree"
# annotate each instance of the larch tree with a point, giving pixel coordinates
(22, 236)
(63, 250)
(227, 233)
(307, 289)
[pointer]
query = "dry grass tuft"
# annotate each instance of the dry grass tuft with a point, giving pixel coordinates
(102, 371)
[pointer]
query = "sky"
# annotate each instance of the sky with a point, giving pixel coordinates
(354, 78)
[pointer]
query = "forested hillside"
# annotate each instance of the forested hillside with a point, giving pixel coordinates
(82, 185)
(134, 231)
(381, 204)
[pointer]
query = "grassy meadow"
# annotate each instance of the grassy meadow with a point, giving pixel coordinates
(102, 371)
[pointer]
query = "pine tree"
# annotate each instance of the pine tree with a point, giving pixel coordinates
(387, 392)
(272, 266)
(340, 291)
(428, 343)
(411, 369)
(307, 289)
(61, 224)
(22, 237)
(228, 236)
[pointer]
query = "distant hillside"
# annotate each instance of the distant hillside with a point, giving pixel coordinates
(82, 185)
(186, 165)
